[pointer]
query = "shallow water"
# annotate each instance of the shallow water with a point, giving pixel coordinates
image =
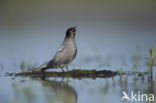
(111, 35)
(68, 90)
(19, 55)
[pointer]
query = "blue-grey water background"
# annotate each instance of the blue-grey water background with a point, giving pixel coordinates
(110, 35)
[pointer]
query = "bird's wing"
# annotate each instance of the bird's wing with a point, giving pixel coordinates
(60, 53)
(40, 67)
(61, 49)
(44, 65)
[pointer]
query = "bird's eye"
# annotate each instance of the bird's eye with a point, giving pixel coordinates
(72, 30)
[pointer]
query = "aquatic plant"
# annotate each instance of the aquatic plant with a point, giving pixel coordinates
(151, 61)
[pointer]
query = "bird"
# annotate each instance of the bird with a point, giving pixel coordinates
(65, 54)
(125, 96)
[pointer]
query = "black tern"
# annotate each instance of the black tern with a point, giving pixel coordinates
(64, 55)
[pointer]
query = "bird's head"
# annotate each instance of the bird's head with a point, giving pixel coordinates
(71, 32)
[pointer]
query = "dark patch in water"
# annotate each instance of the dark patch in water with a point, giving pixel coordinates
(73, 73)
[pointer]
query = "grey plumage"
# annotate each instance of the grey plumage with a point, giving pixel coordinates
(64, 55)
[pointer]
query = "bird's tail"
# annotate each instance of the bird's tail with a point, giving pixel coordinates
(36, 70)
(41, 68)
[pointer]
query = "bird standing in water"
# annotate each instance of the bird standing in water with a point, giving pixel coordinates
(64, 55)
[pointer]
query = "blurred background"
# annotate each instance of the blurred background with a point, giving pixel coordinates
(111, 34)
(33, 30)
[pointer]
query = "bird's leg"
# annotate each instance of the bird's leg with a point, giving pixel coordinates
(63, 72)
(62, 69)
(67, 68)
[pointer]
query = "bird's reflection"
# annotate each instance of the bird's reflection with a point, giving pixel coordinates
(62, 92)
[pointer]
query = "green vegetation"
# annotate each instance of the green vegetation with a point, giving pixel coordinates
(151, 61)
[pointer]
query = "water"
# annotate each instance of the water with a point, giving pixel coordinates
(17, 51)
(56, 90)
